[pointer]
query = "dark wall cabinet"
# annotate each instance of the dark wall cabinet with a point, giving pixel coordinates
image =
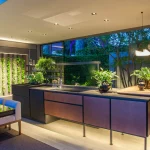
(97, 111)
(21, 93)
(25, 105)
(129, 117)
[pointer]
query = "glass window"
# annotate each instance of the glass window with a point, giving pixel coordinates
(57, 49)
(46, 49)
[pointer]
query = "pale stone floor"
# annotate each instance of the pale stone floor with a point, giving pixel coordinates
(65, 135)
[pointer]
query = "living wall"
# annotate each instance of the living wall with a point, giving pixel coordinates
(115, 51)
(12, 71)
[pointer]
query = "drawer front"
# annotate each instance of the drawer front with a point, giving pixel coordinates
(65, 111)
(129, 117)
(97, 111)
(65, 98)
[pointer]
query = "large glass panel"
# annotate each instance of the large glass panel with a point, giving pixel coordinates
(115, 51)
(57, 49)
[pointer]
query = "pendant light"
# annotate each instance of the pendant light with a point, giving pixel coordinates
(145, 52)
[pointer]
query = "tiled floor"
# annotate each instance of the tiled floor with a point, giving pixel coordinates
(65, 135)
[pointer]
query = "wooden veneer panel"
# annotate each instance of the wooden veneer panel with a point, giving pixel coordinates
(65, 111)
(65, 98)
(97, 111)
(129, 117)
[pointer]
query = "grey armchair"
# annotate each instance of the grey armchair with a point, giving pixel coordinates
(8, 120)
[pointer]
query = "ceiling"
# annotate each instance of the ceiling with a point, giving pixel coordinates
(32, 21)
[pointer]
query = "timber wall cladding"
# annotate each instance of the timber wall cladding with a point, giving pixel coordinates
(12, 71)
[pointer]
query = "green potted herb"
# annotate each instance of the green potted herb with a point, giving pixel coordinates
(45, 65)
(143, 76)
(104, 79)
(36, 78)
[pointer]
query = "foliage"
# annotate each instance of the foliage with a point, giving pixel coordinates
(14, 72)
(104, 75)
(8, 75)
(35, 78)
(45, 65)
(22, 65)
(3, 76)
(143, 73)
(1, 91)
(18, 61)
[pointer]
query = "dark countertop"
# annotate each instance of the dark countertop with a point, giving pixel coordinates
(94, 92)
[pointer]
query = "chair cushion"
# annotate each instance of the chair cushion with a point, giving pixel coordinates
(7, 119)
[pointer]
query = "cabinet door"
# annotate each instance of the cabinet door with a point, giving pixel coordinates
(65, 111)
(97, 111)
(25, 105)
(37, 105)
(65, 98)
(129, 117)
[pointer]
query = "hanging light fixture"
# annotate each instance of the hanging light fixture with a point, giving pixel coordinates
(145, 52)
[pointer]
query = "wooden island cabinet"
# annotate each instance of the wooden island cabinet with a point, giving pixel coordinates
(121, 113)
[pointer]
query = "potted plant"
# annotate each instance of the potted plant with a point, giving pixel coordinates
(104, 79)
(143, 76)
(45, 65)
(35, 78)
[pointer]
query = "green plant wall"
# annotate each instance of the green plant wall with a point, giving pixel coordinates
(1, 92)
(12, 71)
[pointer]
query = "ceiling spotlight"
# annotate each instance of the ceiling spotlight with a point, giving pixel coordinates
(56, 24)
(30, 31)
(106, 20)
(44, 34)
(70, 28)
(94, 13)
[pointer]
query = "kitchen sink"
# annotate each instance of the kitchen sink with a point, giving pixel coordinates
(70, 90)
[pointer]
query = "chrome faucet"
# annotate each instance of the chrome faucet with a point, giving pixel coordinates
(60, 82)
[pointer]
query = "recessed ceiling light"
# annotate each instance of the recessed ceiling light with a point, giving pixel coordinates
(56, 24)
(106, 20)
(94, 13)
(70, 28)
(30, 31)
(44, 34)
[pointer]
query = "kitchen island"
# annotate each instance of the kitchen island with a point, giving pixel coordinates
(112, 111)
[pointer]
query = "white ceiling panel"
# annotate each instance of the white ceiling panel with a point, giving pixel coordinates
(17, 17)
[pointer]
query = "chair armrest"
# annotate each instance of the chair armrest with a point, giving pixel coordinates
(1, 101)
(16, 105)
